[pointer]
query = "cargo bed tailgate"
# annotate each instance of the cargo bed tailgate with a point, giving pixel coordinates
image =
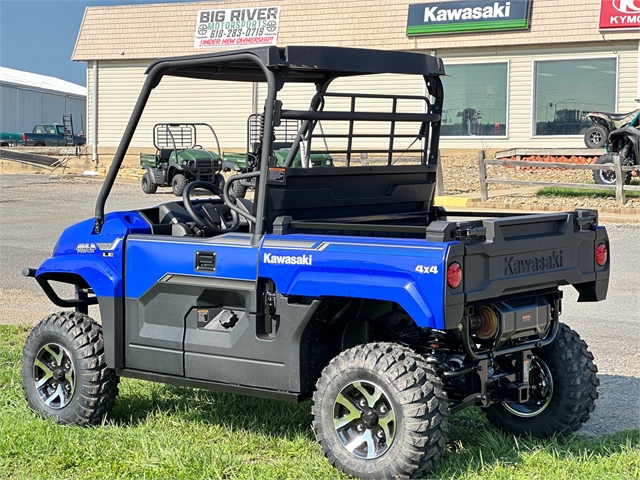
(532, 252)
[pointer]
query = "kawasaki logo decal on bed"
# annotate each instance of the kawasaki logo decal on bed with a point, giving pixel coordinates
(517, 266)
(287, 259)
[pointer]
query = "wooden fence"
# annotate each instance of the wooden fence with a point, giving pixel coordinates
(619, 187)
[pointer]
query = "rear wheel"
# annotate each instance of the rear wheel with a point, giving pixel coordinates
(563, 391)
(608, 177)
(64, 374)
(146, 182)
(178, 183)
(596, 136)
(380, 412)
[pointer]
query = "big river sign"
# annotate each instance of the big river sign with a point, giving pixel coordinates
(232, 27)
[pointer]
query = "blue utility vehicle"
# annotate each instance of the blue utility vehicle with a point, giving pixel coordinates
(340, 283)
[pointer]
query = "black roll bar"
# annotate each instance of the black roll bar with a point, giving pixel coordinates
(154, 76)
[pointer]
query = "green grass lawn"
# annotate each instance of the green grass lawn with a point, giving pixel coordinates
(159, 431)
(582, 192)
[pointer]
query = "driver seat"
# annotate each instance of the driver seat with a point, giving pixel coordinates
(247, 206)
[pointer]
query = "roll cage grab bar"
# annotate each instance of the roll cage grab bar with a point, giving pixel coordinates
(275, 77)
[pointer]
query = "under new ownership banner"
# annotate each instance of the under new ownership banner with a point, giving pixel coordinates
(468, 16)
(619, 14)
(233, 27)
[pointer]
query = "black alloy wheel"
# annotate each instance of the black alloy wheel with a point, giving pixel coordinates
(563, 391)
(596, 136)
(608, 177)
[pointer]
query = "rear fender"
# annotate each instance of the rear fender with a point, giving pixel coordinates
(230, 166)
(600, 119)
(402, 290)
(158, 174)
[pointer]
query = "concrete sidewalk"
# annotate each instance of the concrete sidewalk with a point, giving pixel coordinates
(465, 199)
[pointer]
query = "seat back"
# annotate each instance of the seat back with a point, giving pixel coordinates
(333, 193)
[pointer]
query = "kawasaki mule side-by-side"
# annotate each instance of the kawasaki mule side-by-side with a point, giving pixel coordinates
(180, 159)
(343, 284)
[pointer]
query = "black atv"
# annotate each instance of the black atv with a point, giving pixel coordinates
(626, 143)
(179, 159)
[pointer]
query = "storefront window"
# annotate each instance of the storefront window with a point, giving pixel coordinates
(475, 100)
(567, 89)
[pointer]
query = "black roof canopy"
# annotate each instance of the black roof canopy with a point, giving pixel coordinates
(303, 63)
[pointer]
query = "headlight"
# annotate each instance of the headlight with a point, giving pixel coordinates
(327, 162)
(184, 162)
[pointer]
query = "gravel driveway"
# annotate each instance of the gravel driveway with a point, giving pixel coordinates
(461, 176)
(34, 209)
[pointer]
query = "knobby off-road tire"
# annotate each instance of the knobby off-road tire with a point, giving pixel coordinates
(571, 396)
(608, 177)
(596, 136)
(380, 387)
(147, 185)
(178, 184)
(218, 181)
(237, 190)
(64, 374)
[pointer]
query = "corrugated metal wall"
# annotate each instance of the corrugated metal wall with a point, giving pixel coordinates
(226, 106)
(22, 108)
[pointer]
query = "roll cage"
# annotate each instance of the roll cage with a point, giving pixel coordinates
(316, 65)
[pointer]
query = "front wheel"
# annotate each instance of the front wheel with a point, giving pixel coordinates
(608, 177)
(563, 391)
(178, 183)
(380, 412)
(218, 181)
(237, 190)
(64, 374)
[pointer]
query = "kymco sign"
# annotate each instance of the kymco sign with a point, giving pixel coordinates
(619, 14)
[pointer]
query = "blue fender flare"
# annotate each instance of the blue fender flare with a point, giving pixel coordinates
(398, 289)
(103, 279)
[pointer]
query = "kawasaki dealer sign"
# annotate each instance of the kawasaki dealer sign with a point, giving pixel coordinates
(468, 16)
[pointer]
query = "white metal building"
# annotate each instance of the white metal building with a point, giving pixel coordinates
(520, 84)
(29, 99)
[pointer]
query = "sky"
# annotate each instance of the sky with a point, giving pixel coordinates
(39, 36)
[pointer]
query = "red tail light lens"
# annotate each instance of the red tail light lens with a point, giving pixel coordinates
(24, 137)
(454, 275)
(602, 253)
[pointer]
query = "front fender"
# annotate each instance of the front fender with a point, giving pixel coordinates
(633, 134)
(103, 279)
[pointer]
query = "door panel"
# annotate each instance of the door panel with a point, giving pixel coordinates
(169, 278)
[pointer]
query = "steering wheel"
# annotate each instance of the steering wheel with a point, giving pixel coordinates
(214, 220)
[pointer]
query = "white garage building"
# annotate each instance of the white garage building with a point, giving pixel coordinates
(520, 75)
(29, 99)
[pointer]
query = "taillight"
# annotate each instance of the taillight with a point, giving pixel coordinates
(24, 137)
(454, 275)
(601, 254)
